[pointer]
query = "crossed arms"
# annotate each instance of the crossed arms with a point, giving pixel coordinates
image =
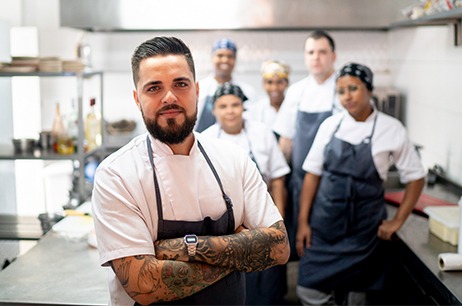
(170, 276)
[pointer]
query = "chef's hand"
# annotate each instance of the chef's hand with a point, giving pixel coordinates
(240, 229)
(303, 238)
(388, 228)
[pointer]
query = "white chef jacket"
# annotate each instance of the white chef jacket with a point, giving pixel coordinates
(390, 144)
(261, 111)
(208, 86)
(124, 203)
(259, 139)
(308, 96)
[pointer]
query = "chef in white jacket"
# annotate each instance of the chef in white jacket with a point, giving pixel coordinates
(307, 104)
(224, 55)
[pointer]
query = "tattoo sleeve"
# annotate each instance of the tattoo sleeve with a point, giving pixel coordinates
(147, 279)
(250, 250)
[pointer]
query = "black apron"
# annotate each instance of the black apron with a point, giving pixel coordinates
(229, 290)
(207, 118)
(306, 127)
(345, 252)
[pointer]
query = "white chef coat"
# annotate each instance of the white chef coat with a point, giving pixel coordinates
(390, 144)
(124, 201)
(308, 96)
(260, 140)
(261, 111)
(208, 86)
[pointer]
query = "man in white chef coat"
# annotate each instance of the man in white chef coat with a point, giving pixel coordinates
(224, 56)
(178, 216)
(307, 103)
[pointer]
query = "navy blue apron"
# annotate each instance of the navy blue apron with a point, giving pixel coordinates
(306, 127)
(229, 290)
(207, 118)
(267, 287)
(346, 213)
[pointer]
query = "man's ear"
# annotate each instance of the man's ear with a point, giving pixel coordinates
(137, 101)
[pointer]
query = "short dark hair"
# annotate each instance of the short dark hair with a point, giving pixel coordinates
(317, 34)
(160, 46)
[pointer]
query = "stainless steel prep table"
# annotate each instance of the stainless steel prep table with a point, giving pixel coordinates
(417, 252)
(59, 270)
(64, 271)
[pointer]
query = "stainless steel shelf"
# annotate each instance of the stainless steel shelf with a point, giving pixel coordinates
(7, 152)
(452, 17)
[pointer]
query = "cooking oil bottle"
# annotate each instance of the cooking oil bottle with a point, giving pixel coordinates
(92, 128)
(62, 143)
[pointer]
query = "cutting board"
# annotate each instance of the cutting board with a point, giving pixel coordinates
(423, 201)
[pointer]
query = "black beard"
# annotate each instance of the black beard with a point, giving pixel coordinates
(173, 133)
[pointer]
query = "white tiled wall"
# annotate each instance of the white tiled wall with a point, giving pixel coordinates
(427, 67)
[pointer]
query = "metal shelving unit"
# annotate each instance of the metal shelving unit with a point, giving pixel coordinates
(7, 152)
(452, 17)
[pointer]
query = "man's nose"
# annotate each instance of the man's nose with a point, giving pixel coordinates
(169, 97)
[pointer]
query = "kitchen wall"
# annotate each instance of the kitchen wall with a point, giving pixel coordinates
(421, 62)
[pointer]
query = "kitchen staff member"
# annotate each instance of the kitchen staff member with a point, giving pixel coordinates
(307, 103)
(275, 78)
(266, 287)
(224, 55)
(169, 206)
(342, 220)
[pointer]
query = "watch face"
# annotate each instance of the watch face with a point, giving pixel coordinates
(191, 239)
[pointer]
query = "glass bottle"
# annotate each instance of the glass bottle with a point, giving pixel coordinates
(92, 128)
(58, 130)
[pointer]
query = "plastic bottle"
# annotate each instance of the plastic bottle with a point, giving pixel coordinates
(92, 128)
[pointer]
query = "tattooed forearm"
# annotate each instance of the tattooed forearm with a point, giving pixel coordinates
(252, 250)
(247, 251)
(148, 280)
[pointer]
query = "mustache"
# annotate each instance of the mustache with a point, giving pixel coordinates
(170, 107)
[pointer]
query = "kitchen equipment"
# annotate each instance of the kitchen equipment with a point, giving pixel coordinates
(23, 145)
(444, 222)
(45, 140)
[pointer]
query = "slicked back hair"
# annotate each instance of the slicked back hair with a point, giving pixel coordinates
(160, 46)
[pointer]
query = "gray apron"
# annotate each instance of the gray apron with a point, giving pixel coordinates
(207, 118)
(306, 127)
(229, 290)
(346, 213)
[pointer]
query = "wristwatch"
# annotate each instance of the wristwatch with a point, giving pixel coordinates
(191, 243)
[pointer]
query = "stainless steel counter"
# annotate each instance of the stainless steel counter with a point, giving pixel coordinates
(59, 270)
(424, 249)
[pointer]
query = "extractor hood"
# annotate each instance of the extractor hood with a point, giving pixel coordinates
(162, 15)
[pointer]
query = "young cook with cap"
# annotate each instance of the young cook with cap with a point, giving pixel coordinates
(342, 222)
(266, 287)
(224, 56)
(170, 206)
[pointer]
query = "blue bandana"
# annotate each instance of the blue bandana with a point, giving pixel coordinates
(224, 43)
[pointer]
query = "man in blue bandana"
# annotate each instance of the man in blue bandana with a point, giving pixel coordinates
(224, 52)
